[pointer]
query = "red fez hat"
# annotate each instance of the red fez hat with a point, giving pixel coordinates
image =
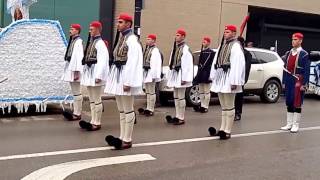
(76, 26)
(298, 35)
(96, 24)
(125, 17)
(152, 36)
(231, 28)
(182, 32)
(207, 39)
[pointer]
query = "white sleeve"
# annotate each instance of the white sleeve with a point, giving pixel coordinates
(155, 63)
(187, 65)
(102, 66)
(76, 57)
(213, 70)
(133, 70)
(237, 70)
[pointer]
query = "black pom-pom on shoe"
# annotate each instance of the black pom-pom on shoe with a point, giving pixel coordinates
(203, 110)
(117, 143)
(169, 119)
(67, 114)
(84, 124)
(141, 111)
(212, 131)
(224, 135)
(196, 108)
(110, 140)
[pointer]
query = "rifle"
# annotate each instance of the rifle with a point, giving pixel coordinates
(173, 55)
(113, 47)
(65, 56)
(86, 50)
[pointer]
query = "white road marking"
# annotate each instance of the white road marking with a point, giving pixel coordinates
(75, 151)
(62, 171)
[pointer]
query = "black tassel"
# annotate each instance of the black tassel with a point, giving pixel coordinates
(173, 54)
(85, 51)
(219, 52)
(113, 48)
(65, 56)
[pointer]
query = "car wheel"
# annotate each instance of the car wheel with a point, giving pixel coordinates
(271, 92)
(193, 96)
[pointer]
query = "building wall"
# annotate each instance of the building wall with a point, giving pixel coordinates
(200, 18)
(65, 11)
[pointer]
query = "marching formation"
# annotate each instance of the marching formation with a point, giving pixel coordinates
(132, 69)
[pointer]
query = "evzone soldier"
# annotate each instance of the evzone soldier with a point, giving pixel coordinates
(228, 75)
(72, 71)
(202, 78)
(95, 72)
(152, 65)
(180, 76)
(125, 80)
(295, 79)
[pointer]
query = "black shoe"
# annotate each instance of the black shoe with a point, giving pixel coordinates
(141, 111)
(196, 108)
(84, 124)
(237, 117)
(169, 119)
(177, 121)
(148, 113)
(92, 127)
(203, 110)
(70, 116)
(224, 136)
(212, 131)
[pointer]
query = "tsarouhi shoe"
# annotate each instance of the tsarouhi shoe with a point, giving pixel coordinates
(203, 110)
(141, 111)
(223, 135)
(70, 116)
(169, 119)
(177, 121)
(92, 127)
(196, 108)
(212, 131)
(84, 124)
(148, 113)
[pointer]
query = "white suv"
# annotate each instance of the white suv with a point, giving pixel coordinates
(264, 80)
(314, 80)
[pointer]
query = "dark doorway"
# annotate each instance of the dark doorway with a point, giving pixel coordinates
(266, 26)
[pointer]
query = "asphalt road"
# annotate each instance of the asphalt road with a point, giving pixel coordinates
(257, 149)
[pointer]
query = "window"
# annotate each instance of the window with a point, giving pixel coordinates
(254, 58)
(265, 57)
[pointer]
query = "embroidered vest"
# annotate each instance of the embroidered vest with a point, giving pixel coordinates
(223, 60)
(91, 52)
(175, 63)
(147, 56)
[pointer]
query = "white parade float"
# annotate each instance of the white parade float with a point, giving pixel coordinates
(32, 61)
